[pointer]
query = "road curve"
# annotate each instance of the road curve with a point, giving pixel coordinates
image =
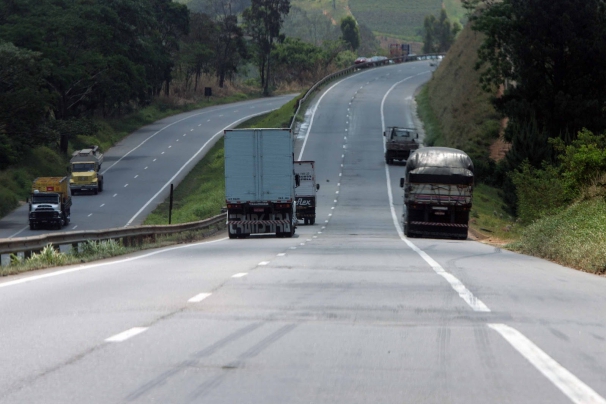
(347, 311)
(139, 169)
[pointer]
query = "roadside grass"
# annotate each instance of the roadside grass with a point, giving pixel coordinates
(98, 250)
(489, 218)
(458, 106)
(575, 237)
(201, 194)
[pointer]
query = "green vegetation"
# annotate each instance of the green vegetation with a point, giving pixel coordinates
(201, 194)
(97, 250)
(402, 18)
(575, 237)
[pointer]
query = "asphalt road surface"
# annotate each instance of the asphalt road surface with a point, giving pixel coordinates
(138, 171)
(347, 311)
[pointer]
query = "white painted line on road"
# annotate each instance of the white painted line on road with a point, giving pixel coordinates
(577, 391)
(154, 159)
(123, 336)
(145, 168)
(199, 124)
(199, 297)
(338, 184)
(162, 153)
(281, 254)
(314, 236)
(326, 221)
(320, 231)
(323, 227)
(340, 174)
(302, 244)
(330, 214)
(102, 264)
(125, 185)
(292, 248)
(239, 275)
(26, 227)
(185, 134)
(90, 214)
(102, 205)
(74, 227)
(332, 208)
(191, 130)
(342, 156)
(115, 195)
(136, 176)
(308, 239)
(335, 201)
(208, 120)
(315, 108)
(220, 116)
(344, 146)
(263, 263)
(204, 147)
(170, 146)
(475, 303)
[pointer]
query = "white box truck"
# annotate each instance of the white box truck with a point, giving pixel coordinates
(305, 193)
(260, 182)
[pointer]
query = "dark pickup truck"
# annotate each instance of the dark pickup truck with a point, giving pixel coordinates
(400, 142)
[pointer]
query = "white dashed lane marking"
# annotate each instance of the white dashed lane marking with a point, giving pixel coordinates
(199, 297)
(239, 275)
(123, 336)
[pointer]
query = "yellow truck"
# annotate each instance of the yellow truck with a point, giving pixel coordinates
(85, 166)
(50, 202)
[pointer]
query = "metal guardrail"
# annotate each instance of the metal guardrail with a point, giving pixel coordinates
(353, 69)
(129, 235)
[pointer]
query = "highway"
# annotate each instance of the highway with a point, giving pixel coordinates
(347, 311)
(138, 170)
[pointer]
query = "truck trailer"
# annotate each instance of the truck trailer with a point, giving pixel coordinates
(85, 168)
(438, 190)
(50, 202)
(305, 193)
(260, 182)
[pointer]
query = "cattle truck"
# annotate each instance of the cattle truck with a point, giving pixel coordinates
(305, 193)
(438, 190)
(50, 202)
(85, 168)
(260, 182)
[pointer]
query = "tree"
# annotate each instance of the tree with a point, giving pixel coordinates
(229, 46)
(439, 33)
(24, 101)
(263, 22)
(350, 32)
(552, 56)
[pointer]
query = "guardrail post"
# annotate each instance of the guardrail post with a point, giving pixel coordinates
(5, 260)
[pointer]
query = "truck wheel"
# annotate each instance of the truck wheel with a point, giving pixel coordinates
(101, 186)
(312, 220)
(96, 191)
(306, 221)
(32, 226)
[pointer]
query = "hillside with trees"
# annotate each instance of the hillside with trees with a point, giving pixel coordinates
(534, 70)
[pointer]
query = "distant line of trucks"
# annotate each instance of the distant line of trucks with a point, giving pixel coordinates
(267, 191)
(51, 198)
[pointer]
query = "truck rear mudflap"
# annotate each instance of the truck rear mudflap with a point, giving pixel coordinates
(437, 221)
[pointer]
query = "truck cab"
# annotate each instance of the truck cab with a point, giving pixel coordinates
(399, 143)
(49, 203)
(85, 166)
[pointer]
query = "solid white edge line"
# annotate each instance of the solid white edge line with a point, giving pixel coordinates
(475, 303)
(239, 275)
(26, 227)
(199, 297)
(83, 267)
(123, 336)
(577, 391)
(315, 108)
(212, 139)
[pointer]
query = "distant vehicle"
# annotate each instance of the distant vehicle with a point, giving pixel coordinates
(378, 60)
(50, 202)
(399, 143)
(438, 190)
(361, 60)
(305, 193)
(85, 168)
